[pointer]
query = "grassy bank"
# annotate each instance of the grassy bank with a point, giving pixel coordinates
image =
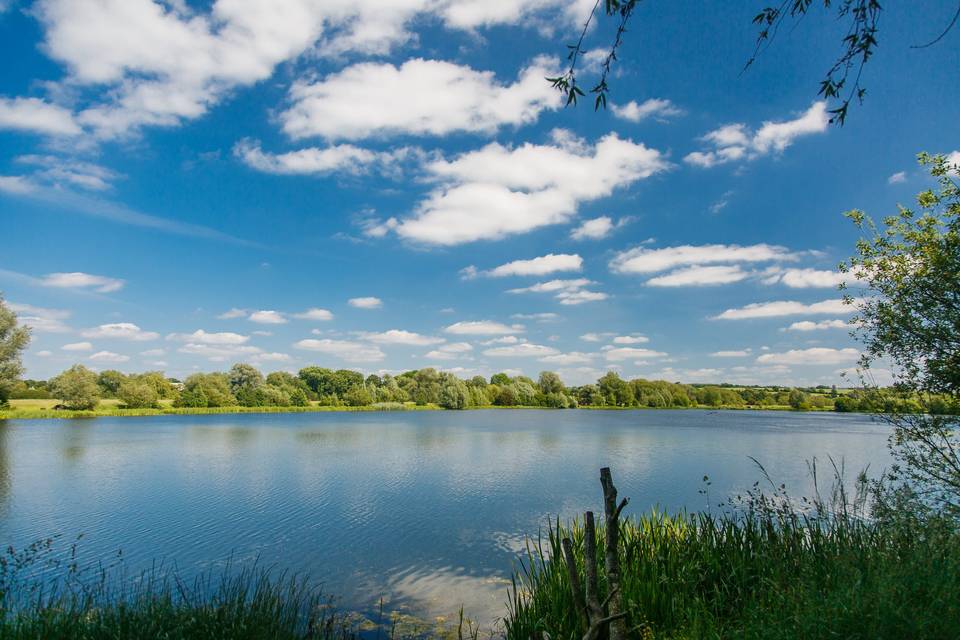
(37, 409)
(756, 576)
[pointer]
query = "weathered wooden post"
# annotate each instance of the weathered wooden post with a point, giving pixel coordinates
(599, 616)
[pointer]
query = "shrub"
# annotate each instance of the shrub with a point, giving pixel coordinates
(76, 388)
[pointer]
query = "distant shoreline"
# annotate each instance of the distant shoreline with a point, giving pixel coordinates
(113, 412)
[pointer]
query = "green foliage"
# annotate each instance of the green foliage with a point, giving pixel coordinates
(761, 573)
(453, 392)
(250, 604)
(76, 388)
(206, 390)
(798, 399)
(13, 340)
(109, 382)
(550, 382)
(358, 396)
(911, 266)
(162, 385)
(137, 393)
(245, 384)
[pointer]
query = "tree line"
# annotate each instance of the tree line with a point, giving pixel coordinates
(79, 388)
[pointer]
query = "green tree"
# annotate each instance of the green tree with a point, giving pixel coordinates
(358, 396)
(13, 340)
(160, 383)
(911, 268)
(109, 382)
(615, 391)
(137, 393)
(76, 388)
(799, 400)
(318, 379)
(453, 392)
(551, 383)
(213, 388)
(500, 379)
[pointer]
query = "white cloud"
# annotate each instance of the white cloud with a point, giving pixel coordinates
(809, 325)
(700, 276)
(368, 302)
(109, 356)
(550, 263)
(483, 328)
(203, 337)
(581, 296)
(785, 308)
(618, 354)
(320, 315)
(536, 317)
(593, 229)
(425, 97)
(521, 350)
(272, 357)
(565, 359)
(44, 354)
(735, 142)
(399, 336)
(450, 351)
(40, 319)
(17, 185)
(644, 260)
(503, 340)
(153, 353)
(659, 108)
(37, 116)
(897, 178)
(732, 353)
(121, 331)
(267, 317)
(61, 172)
(809, 278)
(629, 339)
(233, 313)
(343, 158)
(79, 280)
(219, 352)
(497, 191)
(78, 346)
(704, 374)
(347, 350)
(812, 356)
(567, 292)
(874, 376)
(553, 286)
(158, 64)
(953, 160)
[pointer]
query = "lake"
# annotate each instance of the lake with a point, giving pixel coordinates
(425, 509)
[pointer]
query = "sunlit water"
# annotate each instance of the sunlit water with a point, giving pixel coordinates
(425, 509)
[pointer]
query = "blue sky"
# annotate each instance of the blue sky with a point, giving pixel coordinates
(385, 186)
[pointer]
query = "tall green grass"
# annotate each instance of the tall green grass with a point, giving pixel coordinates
(767, 571)
(46, 592)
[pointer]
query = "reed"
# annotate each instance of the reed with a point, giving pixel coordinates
(772, 572)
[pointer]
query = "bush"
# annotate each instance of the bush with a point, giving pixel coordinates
(76, 388)
(358, 396)
(137, 394)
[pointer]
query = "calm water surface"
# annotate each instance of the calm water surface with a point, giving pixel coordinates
(427, 509)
